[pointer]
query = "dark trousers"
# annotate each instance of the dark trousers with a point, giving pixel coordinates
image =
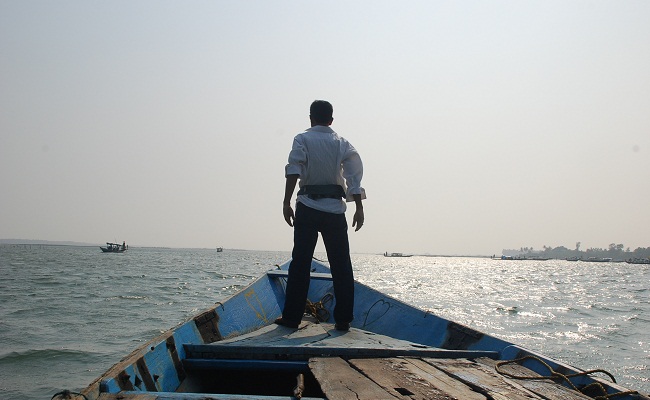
(334, 230)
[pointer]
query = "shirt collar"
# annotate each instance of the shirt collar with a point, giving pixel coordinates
(320, 128)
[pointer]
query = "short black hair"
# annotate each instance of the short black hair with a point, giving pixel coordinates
(321, 111)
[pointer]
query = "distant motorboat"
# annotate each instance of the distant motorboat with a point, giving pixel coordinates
(219, 249)
(597, 259)
(638, 261)
(524, 258)
(387, 254)
(114, 247)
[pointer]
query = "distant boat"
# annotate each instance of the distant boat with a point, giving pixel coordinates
(597, 259)
(524, 258)
(387, 254)
(114, 247)
(638, 261)
(219, 249)
(574, 258)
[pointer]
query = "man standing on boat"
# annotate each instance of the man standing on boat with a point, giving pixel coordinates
(326, 164)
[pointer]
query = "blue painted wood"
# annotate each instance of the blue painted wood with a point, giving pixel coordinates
(250, 365)
(252, 308)
(160, 364)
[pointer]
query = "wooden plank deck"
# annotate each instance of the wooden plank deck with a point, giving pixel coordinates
(414, 378)
(338, 380)
(363, 365)
(434, 379)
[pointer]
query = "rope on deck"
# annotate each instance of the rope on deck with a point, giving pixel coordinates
(554, 375)
(68, 395)
(300, 386)
(318, 310)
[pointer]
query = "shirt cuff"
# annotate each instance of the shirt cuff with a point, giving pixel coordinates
(292, 170)
(351, 192)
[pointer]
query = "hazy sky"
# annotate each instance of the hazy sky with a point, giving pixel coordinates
(482, 125)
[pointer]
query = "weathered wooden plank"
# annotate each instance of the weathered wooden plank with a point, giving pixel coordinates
(289, 352)
(245, 365)
(191, 396)
(443, 381)
(402, 378)
(308, 332)
(338, 380)
(315, 340)
(545, 388)
(483, 380)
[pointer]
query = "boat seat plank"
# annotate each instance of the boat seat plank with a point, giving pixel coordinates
(481, 379)
(339, 381)
(244, 365)
(191, 396)
(269, 335)
(319, 340)
(278, 273)
(289, 352)
(414, 378)
(545, 388)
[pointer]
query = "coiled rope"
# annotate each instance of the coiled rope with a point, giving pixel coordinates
(556, 376)
(67, 395)
(318, 310)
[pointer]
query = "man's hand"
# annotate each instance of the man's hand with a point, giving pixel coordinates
(358, 219)
(289, 187)
(288, 214)
(358, 215)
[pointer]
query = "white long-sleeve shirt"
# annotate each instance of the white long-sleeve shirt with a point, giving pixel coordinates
(321, 157)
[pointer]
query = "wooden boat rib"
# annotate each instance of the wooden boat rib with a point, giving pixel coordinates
(393, 350)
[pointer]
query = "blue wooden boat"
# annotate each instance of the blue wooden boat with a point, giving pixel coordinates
(393, 350)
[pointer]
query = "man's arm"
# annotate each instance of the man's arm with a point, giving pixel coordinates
(289, 187)
(358, 214)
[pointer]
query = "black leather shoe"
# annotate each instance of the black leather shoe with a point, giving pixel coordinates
(342, 326)
(288, 324)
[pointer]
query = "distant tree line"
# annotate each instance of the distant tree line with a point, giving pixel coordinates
(614, 251)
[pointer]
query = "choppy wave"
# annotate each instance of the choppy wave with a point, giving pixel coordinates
(44, 354)
(126, 297)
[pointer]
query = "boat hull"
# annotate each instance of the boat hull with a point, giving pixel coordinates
(222, 339)
(109, 250)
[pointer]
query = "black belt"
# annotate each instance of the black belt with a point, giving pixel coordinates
(322, 191)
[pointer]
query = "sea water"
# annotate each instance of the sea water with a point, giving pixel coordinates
(68, 313)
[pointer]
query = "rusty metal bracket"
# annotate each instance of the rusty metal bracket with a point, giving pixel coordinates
(208, 325)
(460, 337)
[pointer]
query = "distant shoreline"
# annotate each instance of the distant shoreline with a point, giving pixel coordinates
(19, 242)
(27, 242)
(32, 242)
(46, 242)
